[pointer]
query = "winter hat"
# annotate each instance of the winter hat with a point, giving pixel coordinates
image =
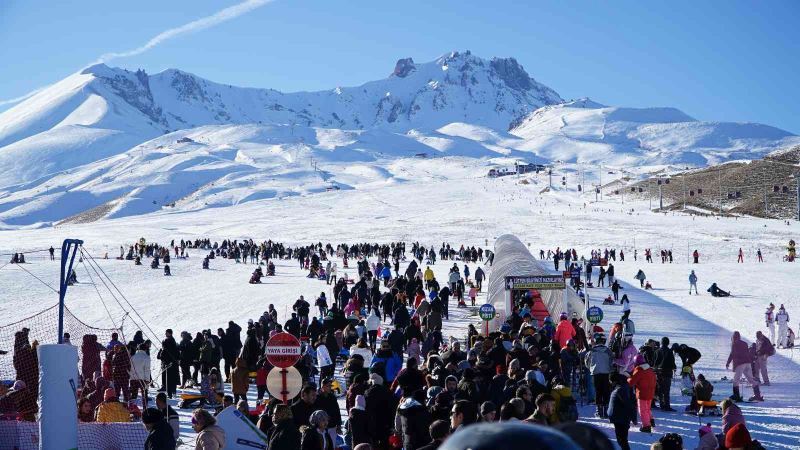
(737, 436)
(361, 402)
(563, 316)
(639, 360)
(18, 385)
(109, 394)
(433, 391)
(705, 429)
(487, 407)
(671, 441)
(375, 379)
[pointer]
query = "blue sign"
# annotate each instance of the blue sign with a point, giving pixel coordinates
(594, 315)
(486, 311)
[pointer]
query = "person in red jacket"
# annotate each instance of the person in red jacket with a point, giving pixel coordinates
(564, 331)
(643, 380)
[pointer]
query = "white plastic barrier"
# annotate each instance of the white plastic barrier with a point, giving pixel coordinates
(58, 410)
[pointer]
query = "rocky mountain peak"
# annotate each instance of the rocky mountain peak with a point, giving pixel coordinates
(404, 67)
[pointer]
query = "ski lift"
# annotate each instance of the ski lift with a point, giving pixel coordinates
(616, 192)
(691, 193)
(785, 189)
(699, 191)
(738, 194)
(641, 189)
(776, 188)
(666, 181)
(633, 189)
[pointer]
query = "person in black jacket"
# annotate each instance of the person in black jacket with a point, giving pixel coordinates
(326, 401)
(688, 355)
(621, 409)
(305, 405)
(169, 364)
(379, 401)
(159, 436)
(251, 351)
(284, 435)
(358, 424)
(187, 354)
(231, 345)
(314, 436)
(415, 421)
(664, 364)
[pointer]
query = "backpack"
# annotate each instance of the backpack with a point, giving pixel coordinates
(770, 349)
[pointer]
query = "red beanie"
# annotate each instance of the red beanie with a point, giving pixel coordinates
(737, 436)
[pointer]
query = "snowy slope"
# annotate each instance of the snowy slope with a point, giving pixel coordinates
(448, 204)
(586, 131)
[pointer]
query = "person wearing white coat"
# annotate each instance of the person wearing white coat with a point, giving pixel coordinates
(365, 352)
(769, 319)
(140, 374)
(783, 326)
(372, 323)
(324, 361)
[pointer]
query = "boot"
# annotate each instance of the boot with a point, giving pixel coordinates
(736, 396)
(756, 394)
(646, 430)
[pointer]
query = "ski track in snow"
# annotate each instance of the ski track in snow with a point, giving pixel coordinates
(472, 211)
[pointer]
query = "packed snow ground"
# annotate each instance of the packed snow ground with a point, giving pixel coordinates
(452, 203)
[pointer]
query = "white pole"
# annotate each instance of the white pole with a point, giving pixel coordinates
(58, 409)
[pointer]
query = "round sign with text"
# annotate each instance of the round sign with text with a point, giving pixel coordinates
(486, 312)
(283, 350)
(594, 315)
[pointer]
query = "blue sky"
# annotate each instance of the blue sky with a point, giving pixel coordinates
(715, 60)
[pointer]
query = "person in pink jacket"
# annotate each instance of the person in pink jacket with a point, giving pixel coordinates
(627, 359)
(564, 331)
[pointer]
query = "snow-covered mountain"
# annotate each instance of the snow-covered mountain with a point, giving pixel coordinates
(103, 111)
(108, 142)
(586, 131)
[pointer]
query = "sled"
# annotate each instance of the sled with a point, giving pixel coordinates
(708, 408)
(188, 400)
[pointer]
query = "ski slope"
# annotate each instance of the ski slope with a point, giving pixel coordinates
(448, 200)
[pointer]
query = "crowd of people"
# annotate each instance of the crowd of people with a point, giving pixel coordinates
(405, 384)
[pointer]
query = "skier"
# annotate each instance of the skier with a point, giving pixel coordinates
(740, 357)
(741, 256)
(769, 318)
(693, 283)
(783, 324)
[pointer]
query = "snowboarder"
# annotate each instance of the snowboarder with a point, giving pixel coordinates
(769, 318)
(783, 324)
(693, 283)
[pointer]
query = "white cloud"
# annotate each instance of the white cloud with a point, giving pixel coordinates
(223, 15)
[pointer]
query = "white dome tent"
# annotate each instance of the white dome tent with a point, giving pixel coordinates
(514, 262)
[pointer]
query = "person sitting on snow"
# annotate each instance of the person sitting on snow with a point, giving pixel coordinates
(717, 292)
(167, 271)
